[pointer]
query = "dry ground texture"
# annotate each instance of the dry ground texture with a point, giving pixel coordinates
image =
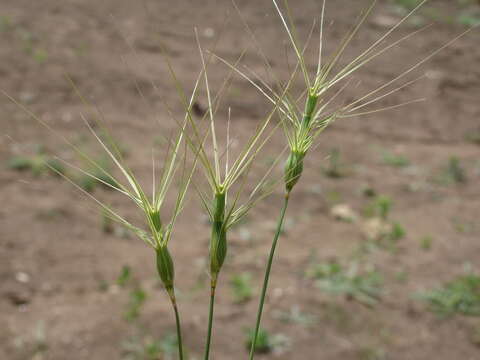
(62, 293)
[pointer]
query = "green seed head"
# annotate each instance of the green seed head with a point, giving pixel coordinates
(310, 106)
(165, 267)
(157, 223)
(218, 248)
(293, 169)
(218, 241)
(219, 203)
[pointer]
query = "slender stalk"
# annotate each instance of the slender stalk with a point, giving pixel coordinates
(178, 325)
(210, 319)
(267, 274)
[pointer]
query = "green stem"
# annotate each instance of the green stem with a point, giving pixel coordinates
(210, 318)
(267, 274)
(178, 325)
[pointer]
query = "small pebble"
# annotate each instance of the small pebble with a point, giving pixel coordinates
(22, 277)
(209, 33)
(343, 212)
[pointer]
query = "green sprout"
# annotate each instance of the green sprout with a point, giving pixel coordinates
(137, 298)
(380, 207)
(459, 296)
(263, 343)
(125, 276)
(364, 287)
(397, 232)
(37, 164)
(426, 242)
(6, 23)
(148, 348)
(296, 316)
(454, 172)
(395, 160)
(334, 169)
(241, 287)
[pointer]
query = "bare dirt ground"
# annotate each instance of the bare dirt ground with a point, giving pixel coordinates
(59, 297)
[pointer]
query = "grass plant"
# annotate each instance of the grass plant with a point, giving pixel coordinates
(224, 204)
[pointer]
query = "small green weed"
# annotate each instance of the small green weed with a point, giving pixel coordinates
(453, 173)
(5, 23)
(295, 316)
(125, 276)
(147, 348)
(242, 289)
(27, 40)
(266, 342)
(371, 353)
(463, 226)
(333, 197)
(385, 237)
(380, 231)
(137, 298)
(334, 169)
(29, 44)
(142, 349)
(379, 207)
(426, 242)
(473, 136)
(263, 344)
(459, 296)
(334, 278)
(168, 346)
(37, 164)
(468, 19)
(368, 191)
(395, 160)
(103, 285)
(40, 55)
(397, 232)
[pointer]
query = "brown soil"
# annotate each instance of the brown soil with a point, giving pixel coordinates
(49, 232)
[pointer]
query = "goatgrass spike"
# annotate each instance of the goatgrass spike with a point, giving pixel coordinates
(165, 267)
